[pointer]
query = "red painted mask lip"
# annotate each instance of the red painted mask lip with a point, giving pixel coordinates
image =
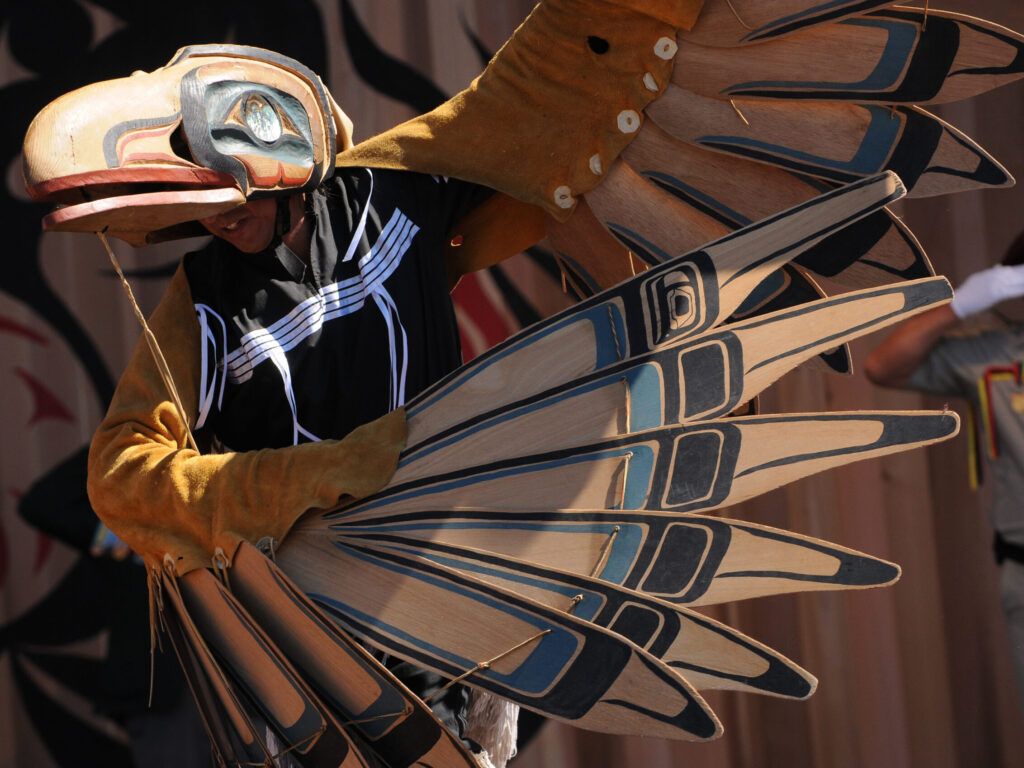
(133, 218)
(114, 182)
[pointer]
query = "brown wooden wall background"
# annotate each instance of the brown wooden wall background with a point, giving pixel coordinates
(913, 675)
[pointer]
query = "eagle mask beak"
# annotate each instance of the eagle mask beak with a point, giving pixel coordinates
(143, 157)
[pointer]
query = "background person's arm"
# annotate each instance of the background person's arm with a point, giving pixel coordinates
(892, 363)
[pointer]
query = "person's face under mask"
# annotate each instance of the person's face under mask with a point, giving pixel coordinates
(250, 228)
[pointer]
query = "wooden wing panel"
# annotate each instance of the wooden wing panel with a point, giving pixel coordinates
(651, 223)
(703, 378)
(680, 298)
(682, 559)
(390, 719)
(515, 647)
(871, 251)
(835, 141)
(688, 468)
(706, 653)
(228, 719)
(892, 56)
(257, 667)
(737, 22)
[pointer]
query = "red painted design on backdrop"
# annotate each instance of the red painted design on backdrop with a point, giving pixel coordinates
(11, 326)
(477, 308)
(44, 544)
(46, 405)
(44, 547)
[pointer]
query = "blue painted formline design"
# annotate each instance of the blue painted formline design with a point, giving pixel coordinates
(638, 479)
(623, 552)
(551, 654)
(700, 196)
(810, 13)
(585, 609)
(604, 333)
(646, 406)
(871, 157)
(899, 49)
(638, 242)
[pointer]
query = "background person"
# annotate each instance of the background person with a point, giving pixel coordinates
(933, 352)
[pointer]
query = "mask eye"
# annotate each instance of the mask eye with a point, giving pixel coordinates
(261, 118)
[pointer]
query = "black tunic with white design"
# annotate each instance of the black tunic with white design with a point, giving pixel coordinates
(293, 353)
